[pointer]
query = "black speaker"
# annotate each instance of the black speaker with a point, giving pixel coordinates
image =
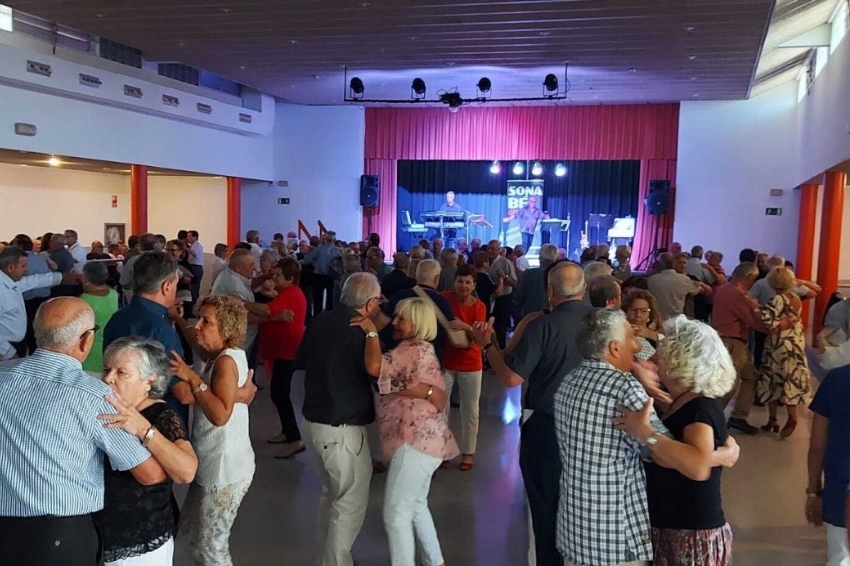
(369, 190)
(658, 199)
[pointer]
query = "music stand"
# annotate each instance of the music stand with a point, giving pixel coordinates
(600, 222)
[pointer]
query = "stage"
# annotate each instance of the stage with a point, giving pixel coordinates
(570, 204)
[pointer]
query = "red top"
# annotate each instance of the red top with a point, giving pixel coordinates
(732, 316)
(280, 340)
(464, 359)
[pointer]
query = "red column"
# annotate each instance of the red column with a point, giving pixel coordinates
(138, 199)
(234, 211)
(830, 240)
(806, 238)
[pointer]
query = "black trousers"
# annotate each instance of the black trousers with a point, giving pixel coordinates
(541, 473)
(502, 309)
(49, 541)
(197, 275)
(280, 389)
(758, 347)
(323, 289)
(31, 306)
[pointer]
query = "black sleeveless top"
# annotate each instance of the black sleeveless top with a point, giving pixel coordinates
(676, 502)
(137, 519)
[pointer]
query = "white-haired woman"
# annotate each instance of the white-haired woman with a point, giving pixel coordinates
(138, 523)
(685, 510)
(415, 433)
(785, 374)
(220, 432)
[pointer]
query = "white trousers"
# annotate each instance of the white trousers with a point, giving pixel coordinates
(345, 464)
(837, 553)
(469, 383)
(162, 556)
(406, 515)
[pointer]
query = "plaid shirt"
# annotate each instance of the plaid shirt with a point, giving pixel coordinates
(603, 517)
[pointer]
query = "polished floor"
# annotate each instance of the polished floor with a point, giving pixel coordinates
(480, 515)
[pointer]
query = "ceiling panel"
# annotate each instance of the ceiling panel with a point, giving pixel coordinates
(618, 50)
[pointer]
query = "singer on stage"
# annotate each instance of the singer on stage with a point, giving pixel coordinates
(451, 206)
(529, 216)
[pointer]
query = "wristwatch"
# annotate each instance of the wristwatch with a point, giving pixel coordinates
(200, 388)
(371, 334)
(652, 440)
(148, 436)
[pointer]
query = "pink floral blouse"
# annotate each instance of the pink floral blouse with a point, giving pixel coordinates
(402, 420)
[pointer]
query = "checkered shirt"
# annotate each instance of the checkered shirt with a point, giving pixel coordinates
(603, 517)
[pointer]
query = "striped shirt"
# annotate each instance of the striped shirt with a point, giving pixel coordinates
(51, 443)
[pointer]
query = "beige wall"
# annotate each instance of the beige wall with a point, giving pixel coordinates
(189, 203)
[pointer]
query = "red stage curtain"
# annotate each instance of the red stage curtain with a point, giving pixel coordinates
(654, 231)
(646, 132)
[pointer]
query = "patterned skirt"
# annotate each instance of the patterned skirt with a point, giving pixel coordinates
(683, 547)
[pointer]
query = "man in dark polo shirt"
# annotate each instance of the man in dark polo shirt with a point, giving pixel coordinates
(546, 352)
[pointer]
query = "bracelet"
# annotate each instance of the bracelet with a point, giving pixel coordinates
(148, 436)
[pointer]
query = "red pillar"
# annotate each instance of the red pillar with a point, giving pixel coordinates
(806, 238)
(830, 240)
(138, 199)
(234, 211)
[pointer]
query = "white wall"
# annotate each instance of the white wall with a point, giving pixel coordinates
(730, 155)
(188, 203)
(319, 150)
(36, 200)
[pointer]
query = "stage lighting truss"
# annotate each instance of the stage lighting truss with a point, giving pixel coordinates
(553, 89)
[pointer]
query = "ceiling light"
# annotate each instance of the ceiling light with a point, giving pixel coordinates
(633, 70)
(418, 88)
(692, 57)
(484, 85)
(544, 34)
(696, 95)
(356, 86)
(54, 161)
(689, 28)
(454, 109)
(365, 4)
(537, 169)
(560, 170)
(226, 10)
(450, 63)
(293, 41)
(519, 168)
(495, 168)
(550, 83)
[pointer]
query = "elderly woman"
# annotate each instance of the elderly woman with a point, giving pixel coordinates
(784, 374)
(138, 522)
(642, 312)
(415, 434)
(220, 434)
(685, 510)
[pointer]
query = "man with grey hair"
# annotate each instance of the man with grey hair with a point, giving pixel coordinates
(670, 287)
(448, 263)
(397, 279)
(605, 293)
(546, 352)
(320, 258)
(52, 483)
(76, 250)
(596, 269)
(530, 295)
(375, 263)
(253, 239)
(236, 281)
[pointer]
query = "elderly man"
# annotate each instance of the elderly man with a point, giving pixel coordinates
(502, 268)
(448, 264)
(397, 279)
(671, 287)
(195, 253)
(254, 240)
(530, 295)
(375, 263)
(14, 282)
(52, 482)
(147, 243)
(603, 516)
(320, 258)
(59, 253)
(34, 297)
(76, 250)
(605, 293)
(546, 352)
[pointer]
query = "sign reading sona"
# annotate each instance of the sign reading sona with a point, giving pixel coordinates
(520, 191)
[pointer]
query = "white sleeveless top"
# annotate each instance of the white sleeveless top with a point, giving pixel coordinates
(225, 454)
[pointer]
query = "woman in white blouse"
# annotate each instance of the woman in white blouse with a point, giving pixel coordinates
(220, 435)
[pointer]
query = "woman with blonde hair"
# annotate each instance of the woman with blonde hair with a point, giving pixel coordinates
(784, 374)
(220, 433)
(683, 491)
(414, 430)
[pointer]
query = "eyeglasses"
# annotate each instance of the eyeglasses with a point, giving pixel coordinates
(92, 330)
(635, 310)
(381, 300)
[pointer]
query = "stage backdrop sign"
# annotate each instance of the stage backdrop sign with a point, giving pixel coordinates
(518, 194)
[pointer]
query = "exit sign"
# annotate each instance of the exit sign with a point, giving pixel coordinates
(283, 201)
(773, 211)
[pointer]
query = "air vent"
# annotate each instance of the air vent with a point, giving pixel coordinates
(39, 68)
(246, 118)
(133, 91)
(90, 81)
(169, 100)
(204, 108)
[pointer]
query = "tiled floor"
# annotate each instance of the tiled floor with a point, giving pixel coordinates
(480, 514)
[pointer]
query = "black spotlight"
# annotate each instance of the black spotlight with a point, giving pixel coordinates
(551, 83)
(356, 86)
(418, 87)
(484, 85)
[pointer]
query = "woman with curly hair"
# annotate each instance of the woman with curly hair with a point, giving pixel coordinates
(220, 435)
(685, 508)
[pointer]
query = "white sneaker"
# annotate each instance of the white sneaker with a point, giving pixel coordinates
(279, 439)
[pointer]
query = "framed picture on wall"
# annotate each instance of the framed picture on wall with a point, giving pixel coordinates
(113, 233)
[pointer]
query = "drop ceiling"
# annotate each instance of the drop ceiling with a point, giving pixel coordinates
(67, 163)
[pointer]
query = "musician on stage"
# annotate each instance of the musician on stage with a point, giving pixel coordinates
(451, 206)
(529, 216)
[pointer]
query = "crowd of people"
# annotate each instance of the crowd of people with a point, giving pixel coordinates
(130, 370)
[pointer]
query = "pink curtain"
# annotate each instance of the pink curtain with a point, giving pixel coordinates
(646, 132)
(654, 231)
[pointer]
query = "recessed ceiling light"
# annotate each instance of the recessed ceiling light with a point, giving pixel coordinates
(633, 70)
(544, 34)
(317, 77)
(689, 28)
(293, 41)
(414, 38)
(181, 44)
(98, 15)
(692, 57)
(226, 10)
(365, 4)
(242, 67)
(696, 95)
(450, 63)
(694, 78)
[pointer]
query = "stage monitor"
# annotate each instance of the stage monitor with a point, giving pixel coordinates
(622, 228)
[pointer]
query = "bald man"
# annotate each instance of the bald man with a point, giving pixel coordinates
(52, 445)
(546, 352)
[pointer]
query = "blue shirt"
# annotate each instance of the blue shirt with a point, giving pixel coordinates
(147, 319)
(35, 265)
(320, 258)
(831, 402)
(51, 442)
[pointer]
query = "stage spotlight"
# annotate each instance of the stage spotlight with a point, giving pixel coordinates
(519, 168)
(484, 85)
(537, 169)
(356, 86)
(418, 88)
(551, 83)
(560, 170)
(495, 168)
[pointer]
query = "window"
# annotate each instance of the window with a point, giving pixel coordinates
(7, 20)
